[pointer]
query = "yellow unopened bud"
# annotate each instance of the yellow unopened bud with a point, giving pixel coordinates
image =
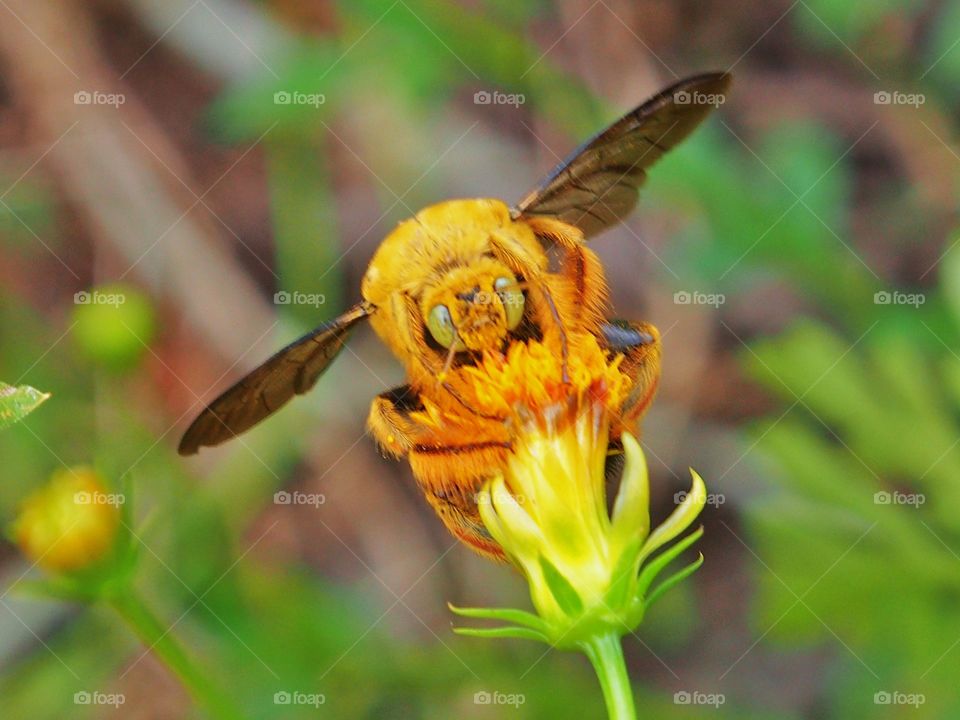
(69, 524)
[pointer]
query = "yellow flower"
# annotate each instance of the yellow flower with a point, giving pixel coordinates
(70, 524)
(590, 570)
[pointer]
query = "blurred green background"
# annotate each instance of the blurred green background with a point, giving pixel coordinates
(208, 155)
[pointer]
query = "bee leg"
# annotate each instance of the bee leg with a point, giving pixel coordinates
(585, 286)
(389, 420)
(449, 475)
(555, 231)
(639, 343)
(465, 524)
(520, 261)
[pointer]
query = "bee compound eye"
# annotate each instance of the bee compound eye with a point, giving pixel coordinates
(440, 325)
(512, 298)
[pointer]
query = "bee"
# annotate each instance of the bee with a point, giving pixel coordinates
(465, 277)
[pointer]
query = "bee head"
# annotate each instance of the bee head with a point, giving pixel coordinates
(473, 307)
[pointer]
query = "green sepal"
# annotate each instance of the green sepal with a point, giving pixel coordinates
(503, 632)
(653, 568)
(520, 617)
(677, 577)
(624, 575)
(563, 592)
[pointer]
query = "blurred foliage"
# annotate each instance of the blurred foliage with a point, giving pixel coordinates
(871, 392)
(858, 536)
(113, 325)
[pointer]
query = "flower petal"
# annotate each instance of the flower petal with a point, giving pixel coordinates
(631, 510)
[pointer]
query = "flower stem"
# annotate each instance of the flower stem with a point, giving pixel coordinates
(156, 636)
(606, 655)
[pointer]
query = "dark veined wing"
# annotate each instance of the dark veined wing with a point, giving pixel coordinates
(292, 371)
(595, 187)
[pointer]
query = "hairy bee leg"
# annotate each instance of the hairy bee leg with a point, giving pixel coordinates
(586, 293)
(639, 343)
(465, 525)
(554, 230)
(522, 263)
(449, 475)
(389, 420)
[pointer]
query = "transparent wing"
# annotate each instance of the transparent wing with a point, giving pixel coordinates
(595, 187)
(292, 371)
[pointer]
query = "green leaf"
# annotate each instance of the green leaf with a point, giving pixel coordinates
(18, 402)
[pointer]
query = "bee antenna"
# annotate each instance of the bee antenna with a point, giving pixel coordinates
(441, 378)
(449, 361)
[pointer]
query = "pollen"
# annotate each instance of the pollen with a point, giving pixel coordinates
(528, 382)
